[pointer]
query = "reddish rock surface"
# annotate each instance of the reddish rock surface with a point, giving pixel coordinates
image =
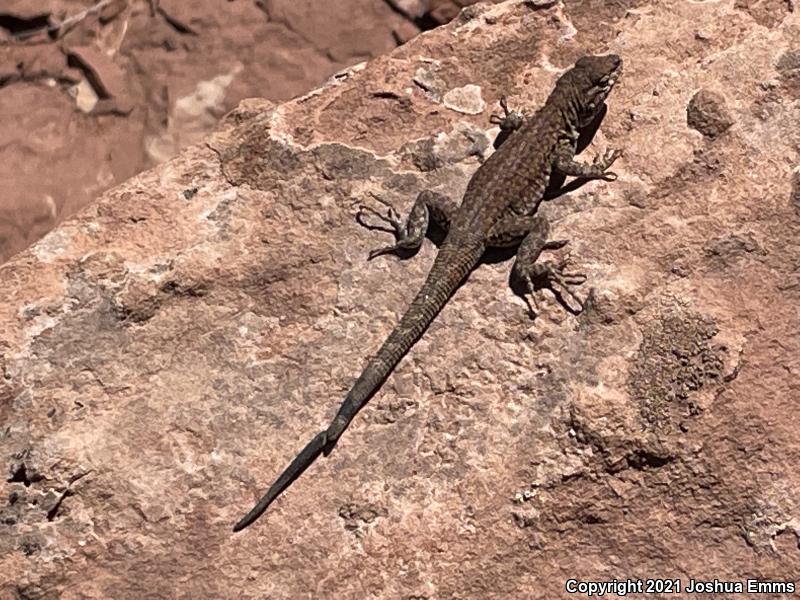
(164, 353)
(129, 84)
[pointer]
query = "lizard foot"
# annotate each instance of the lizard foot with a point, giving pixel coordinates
(604, 161)
(392, 217)
(555, 277)
(511, 120)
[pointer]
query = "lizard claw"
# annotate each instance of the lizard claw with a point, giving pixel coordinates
(608, 157)
(497, 119)
(392, 217)
(532, 300)
(555, 244)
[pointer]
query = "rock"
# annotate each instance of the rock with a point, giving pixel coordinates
(165, 60)
(795, 193)
(788, 66)
(429, 80)
(27, 10)
(466, 100)
(167, 351)
(789, 61)
(768, 13)
(431, 13)
(112, 10)
(444, 11)
(106, 77)
(412, 9)
(708, 114)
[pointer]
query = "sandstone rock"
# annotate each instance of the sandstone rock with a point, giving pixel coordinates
(106, 77)
(154, 59)
(466, 100)
(413, 9)
(708, 114)
(795, 194)
(165, 353)
(27, 9)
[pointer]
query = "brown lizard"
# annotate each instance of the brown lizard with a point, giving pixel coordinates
(498, 210)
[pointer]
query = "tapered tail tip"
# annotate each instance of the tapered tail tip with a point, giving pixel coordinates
(243, 522)
(254, 513)
(301, 462)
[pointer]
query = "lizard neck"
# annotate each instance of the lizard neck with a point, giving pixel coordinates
(565, 103)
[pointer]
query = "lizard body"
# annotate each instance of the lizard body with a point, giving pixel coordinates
(498, 209)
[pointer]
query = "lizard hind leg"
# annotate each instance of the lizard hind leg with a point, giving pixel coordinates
(429, 206)
(555, 277)
(532, 276)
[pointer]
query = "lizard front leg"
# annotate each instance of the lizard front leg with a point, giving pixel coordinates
(566, 164)
(428, 206)
(529, 274)
(509, 122)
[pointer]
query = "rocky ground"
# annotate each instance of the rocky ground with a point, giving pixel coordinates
(166, 352)
(92, 93)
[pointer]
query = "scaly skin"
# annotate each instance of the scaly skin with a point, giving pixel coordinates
(498, 209)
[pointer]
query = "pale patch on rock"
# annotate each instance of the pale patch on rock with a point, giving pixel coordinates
(53, 244)
(466, 100)
(430, 81)
(85, 96)
(193, 115)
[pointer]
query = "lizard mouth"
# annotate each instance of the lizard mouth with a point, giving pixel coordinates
(602, 88)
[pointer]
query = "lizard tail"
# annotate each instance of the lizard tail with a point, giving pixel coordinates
(450, 268)
(452, 265)
(301, 462)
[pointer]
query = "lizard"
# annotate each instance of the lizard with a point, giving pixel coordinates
(498, 209)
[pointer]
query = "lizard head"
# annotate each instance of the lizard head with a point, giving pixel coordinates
(590, 81)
